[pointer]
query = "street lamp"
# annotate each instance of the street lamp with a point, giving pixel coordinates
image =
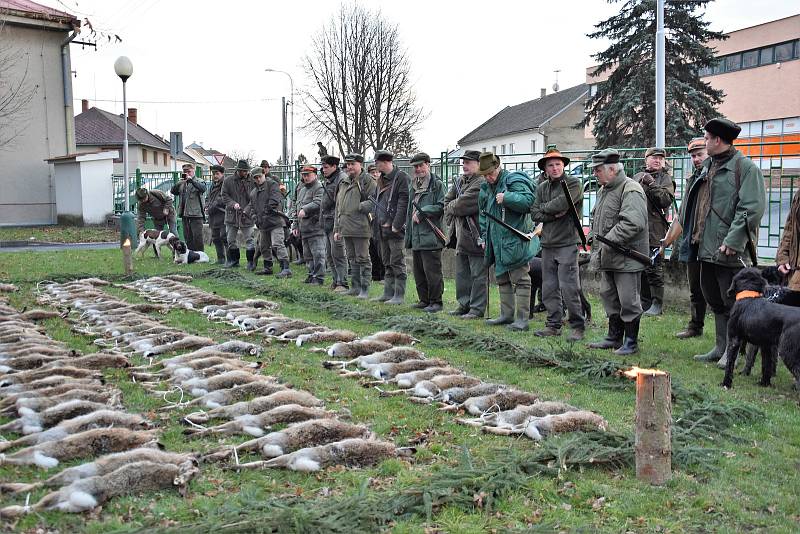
(291, 99)
(124, 69)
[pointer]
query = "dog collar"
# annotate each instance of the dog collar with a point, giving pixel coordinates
(748, 295)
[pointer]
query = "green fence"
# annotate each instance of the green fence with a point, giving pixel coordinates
(778, 161)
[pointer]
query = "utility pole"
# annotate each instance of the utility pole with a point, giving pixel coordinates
(283, 132)
(660, 75)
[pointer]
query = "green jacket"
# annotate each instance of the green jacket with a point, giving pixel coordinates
(620, 215)
(309, 199)
(461, 213)
(190, 192)
(504, 249)
(431, 202)
(352, 207)
(550, 201)
(725, 215)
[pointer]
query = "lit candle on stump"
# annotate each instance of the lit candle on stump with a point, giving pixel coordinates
(127, 240)
(653, 446)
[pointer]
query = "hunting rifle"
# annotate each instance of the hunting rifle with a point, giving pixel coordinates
(501, 222)
(626, 251)
(573, 214)
(436, 230)
(751, 247)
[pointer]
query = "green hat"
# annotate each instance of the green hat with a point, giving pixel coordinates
(264, 163)
(215, 168)
(604, 157)
(487, 163)
(354, 157)
(141, 193)
(472, 155)
(256, 171)
(723, 128)
(383, 155)
(654, 151)
(420, 157)
(330, 160)
(242, 166)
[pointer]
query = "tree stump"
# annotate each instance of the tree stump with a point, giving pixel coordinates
(127, 257)
(653, 444)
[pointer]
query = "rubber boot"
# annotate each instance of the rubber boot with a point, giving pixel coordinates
(366, 279)
(506, 306)
(721, 337)
(220, 252)
(355, 282)
(388, 289)
(657, 302)
(249, 253)
(399, 292)
(630, 344)
(267, 268)
(285, 271)
(613, 340)
(523, 299)
(233, 258)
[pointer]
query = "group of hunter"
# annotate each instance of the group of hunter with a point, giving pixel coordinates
(493, 217)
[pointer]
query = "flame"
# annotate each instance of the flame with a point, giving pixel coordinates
(634, 371)
(127, 242)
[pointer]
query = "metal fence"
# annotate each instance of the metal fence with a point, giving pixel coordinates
(778, 161)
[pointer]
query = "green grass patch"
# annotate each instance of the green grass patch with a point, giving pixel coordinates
(60, 234)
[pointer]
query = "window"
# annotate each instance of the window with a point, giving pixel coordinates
(593, 89)
(484, 149)
(511, 148)
(144, 155)
(494, 149)
(766, 56)
(733, 62)
(750, 59)
(502, 149)
(718, 67)
(784, 52)
(164, 158)
(533, 146)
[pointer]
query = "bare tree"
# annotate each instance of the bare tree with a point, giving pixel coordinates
(16, 91)
(359, 93)
(238, 155)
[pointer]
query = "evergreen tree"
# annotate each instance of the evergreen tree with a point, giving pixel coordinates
(622, 111)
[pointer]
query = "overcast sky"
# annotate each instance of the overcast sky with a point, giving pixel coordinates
(213, 54)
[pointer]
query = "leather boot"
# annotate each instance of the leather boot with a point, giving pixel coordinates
(399, 292)
(366, 279)
(285, 271)
(220, 251)
(388, 289)
(721, 340)
(523, 300)
(657, 303)
(249, 253)
(355, 282)
(233, 258)
(267, 268)
(630, 345)
(506, 306)
(613, 340)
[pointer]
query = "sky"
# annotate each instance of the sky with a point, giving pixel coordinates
(199, 66)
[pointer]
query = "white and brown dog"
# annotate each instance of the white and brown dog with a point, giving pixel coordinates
(184, 255)
(158, 239)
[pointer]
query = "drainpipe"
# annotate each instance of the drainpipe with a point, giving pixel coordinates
(66, 71)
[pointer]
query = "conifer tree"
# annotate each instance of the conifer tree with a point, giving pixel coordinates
(622, 110)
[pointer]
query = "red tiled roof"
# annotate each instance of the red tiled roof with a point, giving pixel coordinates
(34, 10)
(98, 127)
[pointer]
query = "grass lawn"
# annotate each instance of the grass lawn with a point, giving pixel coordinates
(751, 485)
(60, 234)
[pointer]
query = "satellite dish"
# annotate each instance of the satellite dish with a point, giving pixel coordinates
(555, 87)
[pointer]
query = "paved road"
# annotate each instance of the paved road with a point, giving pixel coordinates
(17, 246)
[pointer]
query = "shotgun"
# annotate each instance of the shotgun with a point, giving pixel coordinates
(522, 235)
(751, 247)
(626, 251)
(573, 214)
(436, 230)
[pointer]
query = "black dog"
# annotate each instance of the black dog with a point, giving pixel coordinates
(775, 328)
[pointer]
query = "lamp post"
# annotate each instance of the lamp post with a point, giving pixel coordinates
(291, 100)
(124, 69)
(660, 75)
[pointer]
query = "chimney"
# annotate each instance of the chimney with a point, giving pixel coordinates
(132, 115)
(544, 92)
(84, 105)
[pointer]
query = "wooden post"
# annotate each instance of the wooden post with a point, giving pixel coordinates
(653, 426)
(127, 257)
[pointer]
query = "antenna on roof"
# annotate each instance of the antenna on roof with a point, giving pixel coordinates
(556, 87)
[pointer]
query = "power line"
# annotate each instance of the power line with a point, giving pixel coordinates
(184, 101)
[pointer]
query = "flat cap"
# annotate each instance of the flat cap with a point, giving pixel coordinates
(383, 155)
(655, 151)
(488, 162)
(372, 167)
(694, 144)
(420, 157)
(472, 155)
(354, 157)
(215, 168)
(187, 166)
(308, 169)
(330, 160)
(723, 128)
(256, 171)
(604, 157)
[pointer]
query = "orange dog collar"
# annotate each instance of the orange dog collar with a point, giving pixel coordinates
(747, 295)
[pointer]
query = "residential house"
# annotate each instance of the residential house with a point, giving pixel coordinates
(213, 157)
(521, 133)
(35, 56)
